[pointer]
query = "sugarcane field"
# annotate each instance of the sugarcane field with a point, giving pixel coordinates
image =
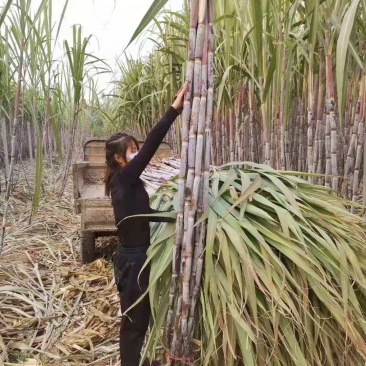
(183, 182)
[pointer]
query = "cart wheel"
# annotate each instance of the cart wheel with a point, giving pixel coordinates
(87, 246)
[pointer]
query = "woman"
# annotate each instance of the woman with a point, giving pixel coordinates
(125, 163)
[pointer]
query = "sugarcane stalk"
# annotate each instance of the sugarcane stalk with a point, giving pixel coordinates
(182, 191)
(317, 127)
(201, 229)
(265, 136)
(213, 142)
(4, 135)
(30, 143)
(199, 147)
(187, 251)
(231, 135)
(13, 144)
(223, 138)
(353, 143)
(272, 140)
(301, 160)
(310, 121)
(237, 132)
(282, 158)
(244, 148)
(331, 126)
(319, 153)
(251, 123)
(273, 129)
(360, 147)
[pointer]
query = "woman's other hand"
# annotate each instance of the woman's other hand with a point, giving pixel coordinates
(179, 97)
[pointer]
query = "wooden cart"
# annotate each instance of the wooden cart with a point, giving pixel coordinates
(95, 209)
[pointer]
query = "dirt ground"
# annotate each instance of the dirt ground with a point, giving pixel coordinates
(54, 310)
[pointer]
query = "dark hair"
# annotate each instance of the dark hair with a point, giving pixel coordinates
(116, 145)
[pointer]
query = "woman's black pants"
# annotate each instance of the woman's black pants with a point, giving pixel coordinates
(131, 285)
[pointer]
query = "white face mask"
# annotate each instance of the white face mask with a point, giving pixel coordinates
(131, 156)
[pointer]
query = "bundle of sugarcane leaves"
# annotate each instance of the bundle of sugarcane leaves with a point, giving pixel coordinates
(284, 278)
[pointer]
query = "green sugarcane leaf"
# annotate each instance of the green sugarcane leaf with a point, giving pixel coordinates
(154, 9)
(4, 11)
(269, 77)
(342, 47)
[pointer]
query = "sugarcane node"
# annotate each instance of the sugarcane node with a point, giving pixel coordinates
(187, 192)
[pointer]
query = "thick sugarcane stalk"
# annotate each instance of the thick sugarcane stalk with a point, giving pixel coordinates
(244, 137)
(295, 147)
(213, 144)
(231, 135)
(318, 155)
(310, 122)
(217, 139)
(317, 127)
(288, 165)
(4, 135)
(223, 137)
(359, 151)
(299, 148)
(321, 164)
(180, 342)
(349, 166)
(266, 143)
(203, 202)
(272, 140)
(188, 244)
(182, 192)
(290, 131)
(346, 134)
(273, 130)
(364, 149)
(282, 157)
(301, 157)
(331, 127)
(316, 147)
(251, 123)
(193, 132)
(244, 148)
(237, 123)
(328, 166)
(359, 156)
(13, 144)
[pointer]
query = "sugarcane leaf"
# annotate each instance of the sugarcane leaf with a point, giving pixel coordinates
(259, 274)
(4, 11)
(156, 271)
(223, 84)
(342, 47)
(248, 192)
(154, 9)
(287, 193)
(352, 46)
(245, 346)
(170, 215)
(269, 77)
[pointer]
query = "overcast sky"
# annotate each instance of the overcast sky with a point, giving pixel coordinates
(111, 22)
